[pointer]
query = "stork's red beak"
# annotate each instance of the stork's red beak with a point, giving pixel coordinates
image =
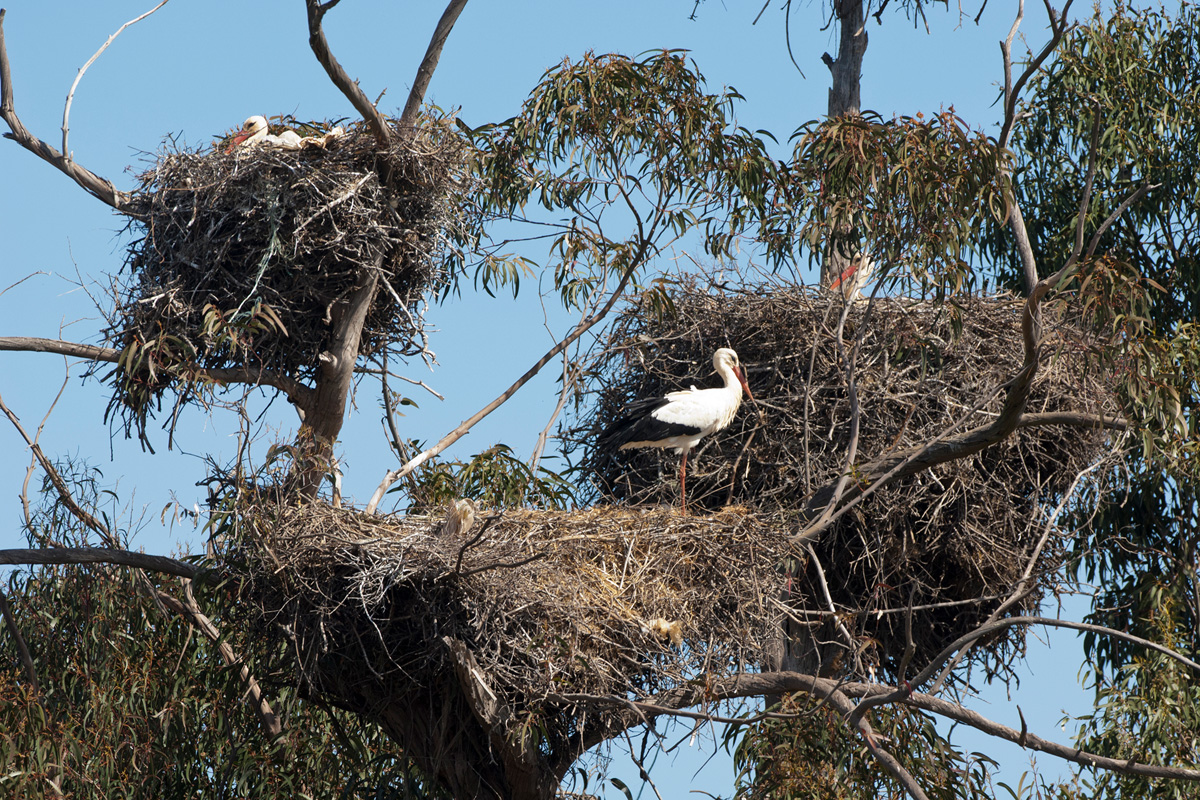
(239, 137)
(742, 380)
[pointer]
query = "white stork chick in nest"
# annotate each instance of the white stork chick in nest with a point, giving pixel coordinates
(681, 419)
(666, 629)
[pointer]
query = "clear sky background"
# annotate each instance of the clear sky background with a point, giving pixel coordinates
(197, 69)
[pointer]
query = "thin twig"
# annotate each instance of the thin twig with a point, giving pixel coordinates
(84, 68)
(100, 188)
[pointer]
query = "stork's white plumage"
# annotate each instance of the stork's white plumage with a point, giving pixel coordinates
(854, 277)
(681, 419)
(255, 132)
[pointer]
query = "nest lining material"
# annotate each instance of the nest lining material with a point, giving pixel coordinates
(546, 601)
(242, 256)
(956, 537)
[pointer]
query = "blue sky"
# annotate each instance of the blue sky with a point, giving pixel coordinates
(197, 70)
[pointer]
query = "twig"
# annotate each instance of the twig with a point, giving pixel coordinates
(84, 68)
(429, 63)
(100, 188)
(60, 485)
(584, 325)
(487, 523)
(503, 565)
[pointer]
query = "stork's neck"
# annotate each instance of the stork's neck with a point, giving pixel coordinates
(733, 384)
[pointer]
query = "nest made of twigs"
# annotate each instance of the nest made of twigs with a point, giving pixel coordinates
(951, 541)
(242, 255)
(602, 601)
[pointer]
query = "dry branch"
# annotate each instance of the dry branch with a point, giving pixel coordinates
(98, 187)
(100, 555)
(429, 63)
(348, 87)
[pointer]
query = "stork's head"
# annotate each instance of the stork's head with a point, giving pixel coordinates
(727, 360)
(251, 127)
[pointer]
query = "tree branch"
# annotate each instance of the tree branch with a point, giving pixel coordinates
(349, 88)
(190, 611)
(453, 436)
(100, 188)
(325, 412)
(1012, 94)
(673, 701)
(429, 63)
(100, 555)
(60, 485)
(297, 392)
(84, 68)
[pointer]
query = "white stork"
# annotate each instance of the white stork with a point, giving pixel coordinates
(854, 277)
(254, 131)
(681, 419)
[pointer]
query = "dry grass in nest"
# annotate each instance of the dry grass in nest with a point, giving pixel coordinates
(951, 541)
(241, 258)
(546, 601)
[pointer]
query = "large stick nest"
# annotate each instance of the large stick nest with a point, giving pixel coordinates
(952, 541)
(546, 603)
(242, 256)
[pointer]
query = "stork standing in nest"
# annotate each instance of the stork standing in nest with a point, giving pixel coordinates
(681, 419)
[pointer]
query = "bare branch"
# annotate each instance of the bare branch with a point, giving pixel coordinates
(466, 425)
(100, 188)
(1088, 182)
(84, 68)
(349, 88)
(100, 555)
(1071, 419)
(672, 702)
(429, 63)
(296, 391)
(59, 484)
(190, 611)
(1117, 212)
(1012, 94)
(1012, 91)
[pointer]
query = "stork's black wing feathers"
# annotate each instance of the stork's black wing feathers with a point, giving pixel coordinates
(637, 423)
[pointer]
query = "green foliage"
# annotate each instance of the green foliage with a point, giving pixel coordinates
(1129, 78)
(641, 136)
(494, 478)
(815, 757)
(910, 192)
(134, 703)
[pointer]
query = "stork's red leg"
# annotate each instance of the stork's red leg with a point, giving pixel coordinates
(683, 482)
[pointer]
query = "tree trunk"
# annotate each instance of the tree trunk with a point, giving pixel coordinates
(844, 98)
(813, 650)
(325, 410)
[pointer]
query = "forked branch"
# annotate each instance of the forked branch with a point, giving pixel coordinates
(347, 86)
(98, 187)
